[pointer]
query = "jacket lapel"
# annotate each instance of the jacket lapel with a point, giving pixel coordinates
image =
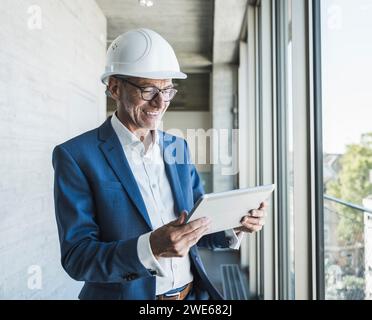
(167, 145)
(115, 156)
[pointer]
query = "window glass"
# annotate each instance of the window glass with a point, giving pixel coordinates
(347, 147)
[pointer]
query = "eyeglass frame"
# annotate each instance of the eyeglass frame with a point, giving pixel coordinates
(142, 89)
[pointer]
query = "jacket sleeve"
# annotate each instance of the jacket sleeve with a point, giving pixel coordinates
(214, 240)
(83, 255)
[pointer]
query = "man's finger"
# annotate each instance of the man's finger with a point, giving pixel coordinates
(257, 213)
(193, 225)
(251, 227)
(196, 233)
(253, 220)
(264, 205)
(181, 219)
(194, 237)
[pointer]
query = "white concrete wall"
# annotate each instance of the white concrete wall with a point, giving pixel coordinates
(49, 92)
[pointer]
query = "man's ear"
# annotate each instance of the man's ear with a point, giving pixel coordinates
(113, 89)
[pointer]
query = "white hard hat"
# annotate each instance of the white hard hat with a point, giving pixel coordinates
(142, 53)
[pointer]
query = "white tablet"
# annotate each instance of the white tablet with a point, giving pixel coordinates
(226, 209)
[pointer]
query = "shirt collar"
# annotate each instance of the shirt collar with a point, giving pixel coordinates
(127, 138)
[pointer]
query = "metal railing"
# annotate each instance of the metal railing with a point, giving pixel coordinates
(348, 204)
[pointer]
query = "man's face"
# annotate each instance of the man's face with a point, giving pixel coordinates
(141, 114)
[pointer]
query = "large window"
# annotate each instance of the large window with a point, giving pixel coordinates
(346, 30)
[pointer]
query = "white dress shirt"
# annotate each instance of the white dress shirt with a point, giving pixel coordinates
(147, 166)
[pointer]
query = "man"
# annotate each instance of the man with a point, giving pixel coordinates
(121, 199)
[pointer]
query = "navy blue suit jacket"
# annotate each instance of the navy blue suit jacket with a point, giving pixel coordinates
(100, 215)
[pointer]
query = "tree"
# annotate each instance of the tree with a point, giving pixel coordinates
(353, 288)
(352, 185)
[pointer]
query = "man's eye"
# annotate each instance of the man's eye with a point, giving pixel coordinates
(149, 90)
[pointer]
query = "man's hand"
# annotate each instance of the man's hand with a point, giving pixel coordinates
(254, 221)
(176, 238)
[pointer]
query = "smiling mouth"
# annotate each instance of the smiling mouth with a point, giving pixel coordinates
(152, 114)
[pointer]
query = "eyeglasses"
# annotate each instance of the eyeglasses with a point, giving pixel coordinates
(150, 93)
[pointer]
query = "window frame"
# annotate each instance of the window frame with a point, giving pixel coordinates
(319, 290)
(281, 76)
(256, 164)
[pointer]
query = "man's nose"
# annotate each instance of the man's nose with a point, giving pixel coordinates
(158, 101)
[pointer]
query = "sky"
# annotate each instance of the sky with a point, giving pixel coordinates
(347, 72)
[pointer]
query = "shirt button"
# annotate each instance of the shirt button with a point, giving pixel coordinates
(154, 186)
(175, 266)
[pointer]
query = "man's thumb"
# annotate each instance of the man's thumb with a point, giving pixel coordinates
(182, 218)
